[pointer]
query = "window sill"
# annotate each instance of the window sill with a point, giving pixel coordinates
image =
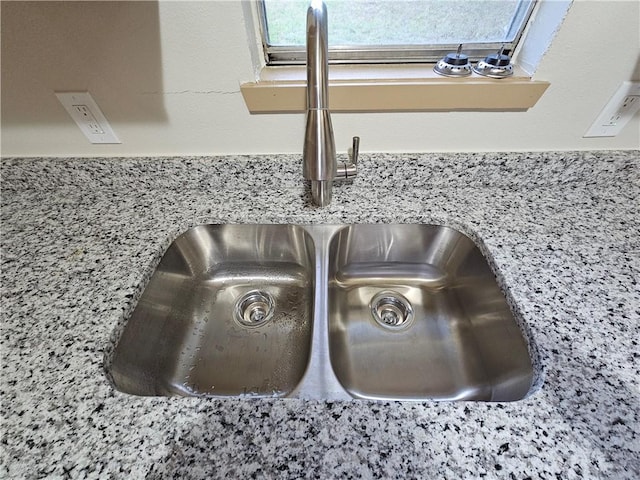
(392, 88)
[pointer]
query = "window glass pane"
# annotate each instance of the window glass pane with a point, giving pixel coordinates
(400, 22)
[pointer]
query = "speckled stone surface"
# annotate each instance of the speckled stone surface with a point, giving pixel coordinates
(81, 236)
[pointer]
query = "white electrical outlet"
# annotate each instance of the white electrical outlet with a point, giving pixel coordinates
(88, 116)
(617, 113)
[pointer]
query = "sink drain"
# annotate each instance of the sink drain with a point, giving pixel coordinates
(254, 309)
(391, 310)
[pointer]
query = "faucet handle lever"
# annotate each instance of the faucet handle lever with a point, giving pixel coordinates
(349, 169)
(354, 150)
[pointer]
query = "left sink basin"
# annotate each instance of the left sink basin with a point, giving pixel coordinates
(228, 312)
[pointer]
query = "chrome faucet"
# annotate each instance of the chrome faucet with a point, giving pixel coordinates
(319, 152)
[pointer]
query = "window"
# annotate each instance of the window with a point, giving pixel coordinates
(395, 31)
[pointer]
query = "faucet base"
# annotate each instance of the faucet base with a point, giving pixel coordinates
(321, 192)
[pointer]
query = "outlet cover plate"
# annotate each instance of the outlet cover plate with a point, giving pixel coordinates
(88, 116)
(617, 112)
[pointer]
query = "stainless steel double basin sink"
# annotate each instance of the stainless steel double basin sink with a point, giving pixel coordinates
(383, 312)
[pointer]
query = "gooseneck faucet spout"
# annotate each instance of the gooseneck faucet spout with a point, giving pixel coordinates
(319, 152)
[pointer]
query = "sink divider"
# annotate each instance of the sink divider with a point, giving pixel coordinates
(319, 382)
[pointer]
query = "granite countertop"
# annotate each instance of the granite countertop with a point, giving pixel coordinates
(81, 236)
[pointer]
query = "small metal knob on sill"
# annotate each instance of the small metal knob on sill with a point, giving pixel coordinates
(496, 65)
(454, 64)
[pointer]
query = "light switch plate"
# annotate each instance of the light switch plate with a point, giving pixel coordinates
(617, 112)
(88, 116)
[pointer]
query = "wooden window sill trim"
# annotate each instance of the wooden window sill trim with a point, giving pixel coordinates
(411, 88)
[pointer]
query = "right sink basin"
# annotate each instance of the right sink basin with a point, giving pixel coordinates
(415, 312)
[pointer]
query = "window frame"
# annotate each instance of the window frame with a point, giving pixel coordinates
(276, 55)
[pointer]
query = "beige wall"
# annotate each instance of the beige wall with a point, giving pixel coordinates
(167, 76)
